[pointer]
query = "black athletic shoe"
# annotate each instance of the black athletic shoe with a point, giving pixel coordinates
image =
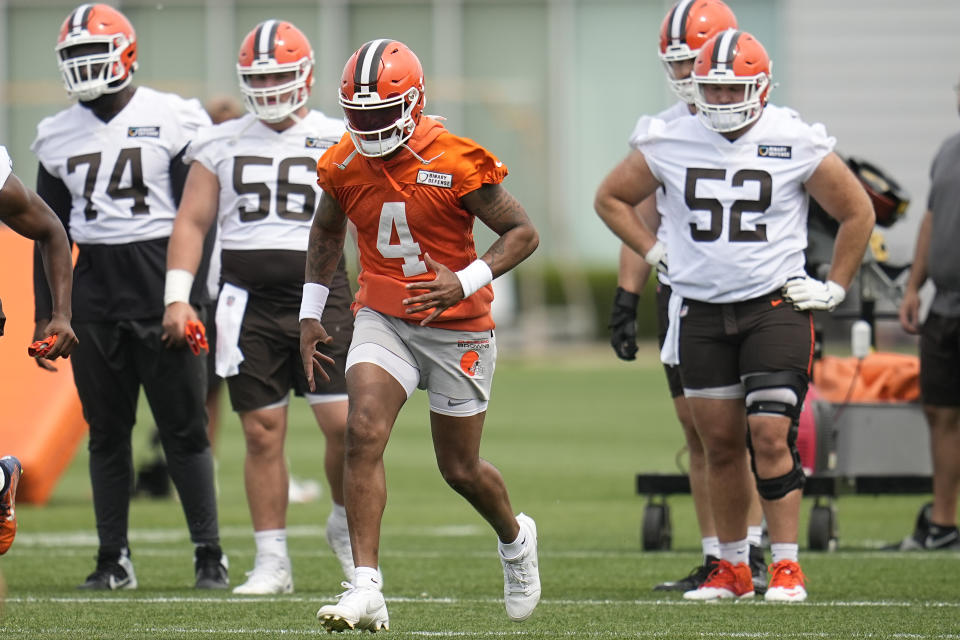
(693, 581)
(916, 541)
(114, 571)
(758, 567)
(942, 538)
(210, 563)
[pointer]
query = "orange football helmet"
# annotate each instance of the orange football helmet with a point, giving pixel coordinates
(381, 93)
(96, 51)
(275, 47)
(685, 29)
(732, 58)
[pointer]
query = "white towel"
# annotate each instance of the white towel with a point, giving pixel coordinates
(231, 306)
(670, 353)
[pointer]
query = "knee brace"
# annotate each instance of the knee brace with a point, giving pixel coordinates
(779, 393)
(776, 488)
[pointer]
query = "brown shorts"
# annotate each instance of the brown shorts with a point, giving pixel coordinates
(663, 321)
(270, 343)
(722, 343)
(940, 361)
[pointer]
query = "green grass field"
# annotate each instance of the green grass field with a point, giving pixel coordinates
(569, 433)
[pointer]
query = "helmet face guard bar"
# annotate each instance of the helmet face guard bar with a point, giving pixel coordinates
(89, 76)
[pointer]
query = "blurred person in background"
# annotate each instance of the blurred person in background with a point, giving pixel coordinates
(413, 191)
(253, 177)
(111, 169)
(686, 27)
(936, 258)
(736, 181)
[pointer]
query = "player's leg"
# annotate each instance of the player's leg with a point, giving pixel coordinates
(940, 389)
(108, 387)
(175, 384)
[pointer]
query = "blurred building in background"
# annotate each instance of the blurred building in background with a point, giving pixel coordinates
(553, 87)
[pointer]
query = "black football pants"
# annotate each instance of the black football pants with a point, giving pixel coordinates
(110, 363)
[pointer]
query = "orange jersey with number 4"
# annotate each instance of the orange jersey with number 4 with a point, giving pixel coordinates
(403, 208)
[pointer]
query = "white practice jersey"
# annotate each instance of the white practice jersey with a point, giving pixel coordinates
(118, 172)
(6, 166)
(268, 179)
(735, 212)
(679, 109)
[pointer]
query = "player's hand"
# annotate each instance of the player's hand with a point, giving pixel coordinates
(312, 333)
(910, 311)
(441, 293)
(62, 346)
(809, 294)
(623, 324)
(657, 257)
(175, 319)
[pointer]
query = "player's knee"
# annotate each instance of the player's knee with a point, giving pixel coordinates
(779, 393)
(776, 488)
(460, 477)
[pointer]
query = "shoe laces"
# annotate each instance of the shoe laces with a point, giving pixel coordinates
(786, 574)
(723, 576)
(518, 575)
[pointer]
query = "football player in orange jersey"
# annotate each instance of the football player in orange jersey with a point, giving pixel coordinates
(413, 190)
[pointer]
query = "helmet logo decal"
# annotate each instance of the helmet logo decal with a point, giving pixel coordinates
(678, 21)
(725, 49)
(265, 38)
(368, 65)
(79, 19)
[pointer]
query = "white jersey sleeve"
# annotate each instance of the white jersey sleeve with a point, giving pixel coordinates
(268, 181)
(118, 172)
(6, 166)
(736, 211)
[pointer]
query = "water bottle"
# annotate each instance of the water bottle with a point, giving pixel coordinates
(860, 338)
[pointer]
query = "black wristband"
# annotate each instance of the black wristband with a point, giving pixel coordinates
(626, 299)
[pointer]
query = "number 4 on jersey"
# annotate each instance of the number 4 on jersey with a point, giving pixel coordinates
(393, 215)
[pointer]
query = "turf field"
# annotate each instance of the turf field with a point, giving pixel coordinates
(568, 432)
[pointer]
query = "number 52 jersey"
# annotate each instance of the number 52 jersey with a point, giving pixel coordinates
(735, 211)
(118, 172)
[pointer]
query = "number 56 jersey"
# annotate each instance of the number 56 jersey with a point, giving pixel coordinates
(268, 191)
(118, 172)
(735, 211)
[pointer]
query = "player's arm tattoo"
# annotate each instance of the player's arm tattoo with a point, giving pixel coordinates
(504, 214)
(327, 234)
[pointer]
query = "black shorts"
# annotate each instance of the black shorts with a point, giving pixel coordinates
(663, 321)
(721, 343)
(940, 361)
(270, 343)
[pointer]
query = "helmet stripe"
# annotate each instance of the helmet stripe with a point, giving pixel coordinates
(678, 21)
(724, 49)
(265, 39)
(80, 17)
(368, 64)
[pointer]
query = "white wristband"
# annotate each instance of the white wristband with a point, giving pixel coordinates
(177, 286)
(314, 300)
(474, 277)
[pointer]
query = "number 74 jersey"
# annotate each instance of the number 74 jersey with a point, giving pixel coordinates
(735, 211)
(118, 172)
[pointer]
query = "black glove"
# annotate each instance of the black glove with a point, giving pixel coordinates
(623, 324)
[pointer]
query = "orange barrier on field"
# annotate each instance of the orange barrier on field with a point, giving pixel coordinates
(40, 417)
(883, 377)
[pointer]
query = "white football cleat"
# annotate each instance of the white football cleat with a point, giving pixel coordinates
(521, 575)
(360, 608)
(271, 575)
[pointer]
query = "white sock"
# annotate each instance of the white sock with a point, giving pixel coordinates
(3, 482)
(784, 551)
(338, 517)
(367, 577)
(511, 550)
(271, 542)
(710, 546)
(735, 552)
(755, 536)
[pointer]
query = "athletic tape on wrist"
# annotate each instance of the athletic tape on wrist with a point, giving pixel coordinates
(177, 286)
(474, 277)
(314, 300)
